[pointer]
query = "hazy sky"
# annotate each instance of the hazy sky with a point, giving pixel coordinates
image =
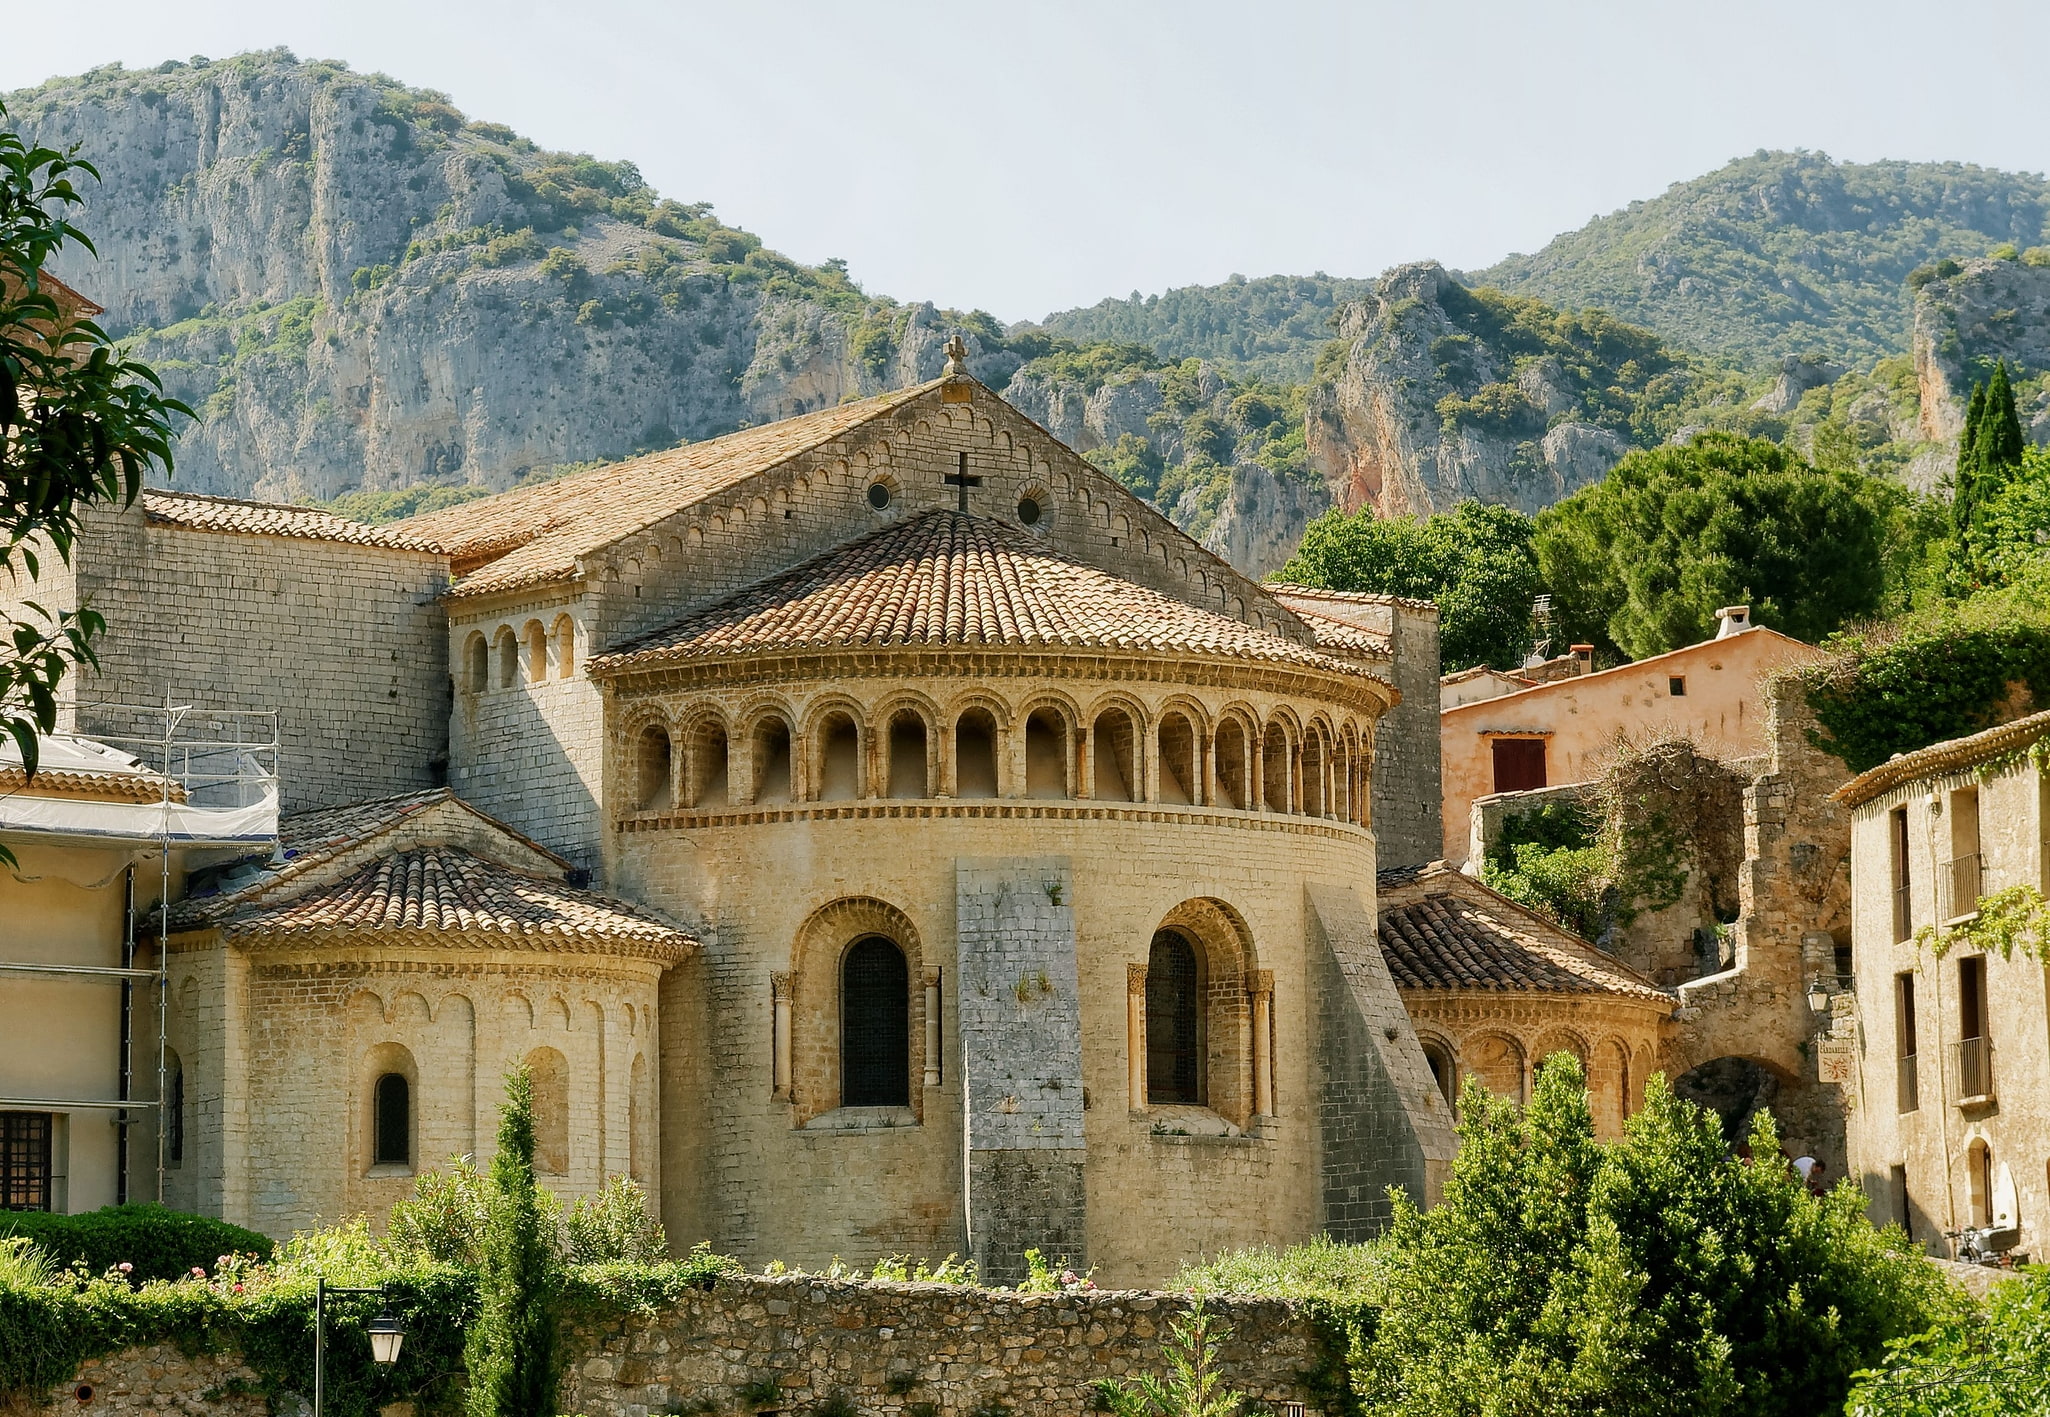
(1029, 157)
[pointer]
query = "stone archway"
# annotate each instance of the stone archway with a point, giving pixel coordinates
(1736, 1089)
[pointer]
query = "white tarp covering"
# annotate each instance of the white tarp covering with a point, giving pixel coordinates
(237, 804)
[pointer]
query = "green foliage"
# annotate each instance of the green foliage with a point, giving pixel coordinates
(2015, 918)
(446, 1217)
(1784, 252)
(512, 1350)
(1194, 1385)
(1568, 884)
(156, 1243)
(1642, 559)
(1990, 1362)
(1989, 455)
(80, 426)
(1272, 327)
(1476, 561)
(1653, 1276)
(1334, 1284)
(614, 1227)
(902, 1269)
(401, 502)
(616, 1287)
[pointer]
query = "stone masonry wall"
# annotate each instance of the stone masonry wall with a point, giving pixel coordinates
(158, 1380)
(1408, 796)
(1021, 1063)
(889, 1348)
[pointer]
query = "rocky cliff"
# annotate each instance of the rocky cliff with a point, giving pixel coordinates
(1967, 317)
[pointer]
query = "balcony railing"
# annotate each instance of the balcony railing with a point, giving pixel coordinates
(1903, 913)
(1958, 887)
(1974, 1069)
(1909, 1085)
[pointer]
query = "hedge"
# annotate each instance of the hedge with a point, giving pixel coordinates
(159, 1243)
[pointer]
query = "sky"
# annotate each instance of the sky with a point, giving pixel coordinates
(1027, 158)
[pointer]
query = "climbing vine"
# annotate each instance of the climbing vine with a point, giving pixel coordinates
(2017, 918)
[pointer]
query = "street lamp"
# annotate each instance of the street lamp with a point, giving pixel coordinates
(386, 1334)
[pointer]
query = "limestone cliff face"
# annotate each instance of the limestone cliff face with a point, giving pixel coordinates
(1376, 433)
(1989, 310)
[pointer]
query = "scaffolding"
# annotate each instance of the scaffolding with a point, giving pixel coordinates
(216, 775)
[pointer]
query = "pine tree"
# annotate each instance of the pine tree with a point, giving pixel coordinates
(511, 1351)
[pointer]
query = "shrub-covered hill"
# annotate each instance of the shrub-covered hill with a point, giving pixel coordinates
(1783, 253)
(1270, 328)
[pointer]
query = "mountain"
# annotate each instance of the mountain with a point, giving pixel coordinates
(1782, 253)
(1270, 328)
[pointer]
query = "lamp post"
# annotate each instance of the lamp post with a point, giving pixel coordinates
(386, 1335)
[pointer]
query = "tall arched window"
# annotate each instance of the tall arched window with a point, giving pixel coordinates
(565, 638)
(653, 771)
(875, 1025)
(839, 759)
(174, 1108)
(537, 651)
(1231, 766)
(772, 761)
(1179, 779)
(1046, 754)
(975, 754)
(508, 659)
(476, 663)
(905, 775)
(1276, 770)
(1116, 777)
(1174, 1022)
(392, 1129)
(709, 766)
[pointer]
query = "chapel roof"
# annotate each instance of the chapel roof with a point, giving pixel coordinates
(69, 765)
(1443, 930)
(1950, 756)
(538, 533)
(444, 890)
(198, 511)
(945, 577)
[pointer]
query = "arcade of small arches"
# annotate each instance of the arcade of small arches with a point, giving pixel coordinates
(507, 658)
(855, 1025)
(1505, 1062)
(1116, 749)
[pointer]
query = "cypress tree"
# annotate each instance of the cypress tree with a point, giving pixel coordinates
(511, 1350)
(1999, 445)
(1964, 486)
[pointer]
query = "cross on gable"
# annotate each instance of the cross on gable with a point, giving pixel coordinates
(963, 480)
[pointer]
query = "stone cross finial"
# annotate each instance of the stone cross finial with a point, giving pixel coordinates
(957, 356)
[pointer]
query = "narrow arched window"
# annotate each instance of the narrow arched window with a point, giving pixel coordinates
(392, 1142)
(875, 1026)
(1046, 754)
(536, 651)
(174, 1111)
(1174, 1022)
(653, 772)
(477, 664)
(565, 638)
(508, 659)
(975, 754)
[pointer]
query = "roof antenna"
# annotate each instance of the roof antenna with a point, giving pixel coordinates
(1541, 623)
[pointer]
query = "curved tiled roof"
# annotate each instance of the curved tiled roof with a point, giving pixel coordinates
(1443, 930)
(538, 533)
(201, 512)
(445, 890)
(949, 578)
(1947, 757)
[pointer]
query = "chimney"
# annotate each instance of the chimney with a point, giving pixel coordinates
(1583, 659)
(1732, 620)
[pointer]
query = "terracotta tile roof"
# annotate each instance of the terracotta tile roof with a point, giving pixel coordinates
(1461, 676)
(100, 786)
(538, 533)
(201, 512)
(444, 890)
(1337, 634)
(1444, 930)
(1289, 590)
(949, 578)
(1946, 757)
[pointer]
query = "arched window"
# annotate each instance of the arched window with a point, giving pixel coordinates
(637, 1141)
(1275, 770)
(975, 754)
(565, 638)
(1174, 1022)
(537, 651)
(1178, 777)
(875, 1025)
(772, 761)
(1442, 1071)
(476, 663)
(1046, 754)
(709, 766)
(550, 1072)
(1231, 765)
(906, 773)
(1979, 1181)
(1115, 778)
(508, 659)
(392, 1128)
(1310, 800)
(839, 759)
(652, 791)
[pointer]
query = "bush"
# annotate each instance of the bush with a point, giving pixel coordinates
(1990, 1363)
(159, 1243)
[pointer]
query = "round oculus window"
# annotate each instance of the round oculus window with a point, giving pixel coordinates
(879, 495)
(1029, 511)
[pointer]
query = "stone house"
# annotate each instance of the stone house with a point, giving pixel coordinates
(1952, 1053)
(880, 831)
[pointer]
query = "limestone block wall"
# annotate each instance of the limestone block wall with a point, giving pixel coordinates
(157, 1379)
(1408, 794)
(305, 1033)
(346, 642)
(888, 1348)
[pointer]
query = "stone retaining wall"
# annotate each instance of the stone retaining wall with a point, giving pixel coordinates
(156, 1379)
(892, 1348)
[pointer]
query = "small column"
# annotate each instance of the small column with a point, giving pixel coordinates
(1085, 761)
(1135, 1032)
(1148, 785)
(1263, 1043)
(1206, 771)
(779, 1032)
(932, 1028)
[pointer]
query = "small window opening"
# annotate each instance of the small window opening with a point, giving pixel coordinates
(1275, 770)
(840, 761)
(26, 1173)
(772, 761)
(477, 667)
(1310, 799)
(1178, 779)
(879, 496)
(1231, 765)
(565, 647)
(1046, 754)
(537, 652)
(1441, 1070)
(1114, 778)
(1903, 901)
(907, 776)
(975, 755)
(394, 1122)
(1519, 764)
(1676, 685)
(508, 659)
(1174, 1021)
(1029, 511)
(174, 1115)
(875, 1026)
(711, 766)
(652, 791)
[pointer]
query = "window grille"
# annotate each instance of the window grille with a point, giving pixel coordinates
(1174, 1058)
(174, 1118)
(394, 1140)
(25, 1171)
(875, 1026)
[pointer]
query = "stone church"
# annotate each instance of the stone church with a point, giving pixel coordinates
(878, 831)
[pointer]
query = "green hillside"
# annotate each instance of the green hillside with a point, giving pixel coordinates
(1270, 328)
(1782, 253)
